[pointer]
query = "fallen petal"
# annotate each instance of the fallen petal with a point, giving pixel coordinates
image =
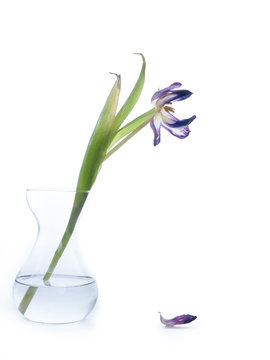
(178, 320)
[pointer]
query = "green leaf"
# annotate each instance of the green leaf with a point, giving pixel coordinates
(133, 125)
(132, 99)
(100, 140)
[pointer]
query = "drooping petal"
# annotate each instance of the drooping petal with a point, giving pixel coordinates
(164, 91)
(181, 132)
(172, 121)
(155, 125)
(178, 320)
(176, 95)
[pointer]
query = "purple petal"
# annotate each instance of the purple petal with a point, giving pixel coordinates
(155, 123)
(181, 132)
(178, 320)
(184, 319)
(176, 95)
(163, 92)
(172, 121)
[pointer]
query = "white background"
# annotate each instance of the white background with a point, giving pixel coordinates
(178, 228)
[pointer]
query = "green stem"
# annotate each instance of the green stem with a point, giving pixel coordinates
(131, 126)
(28, 296)
(121, 143)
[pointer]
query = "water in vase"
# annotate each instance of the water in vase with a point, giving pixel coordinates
(61, 299)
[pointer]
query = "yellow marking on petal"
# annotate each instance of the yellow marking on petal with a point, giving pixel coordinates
(168, 108)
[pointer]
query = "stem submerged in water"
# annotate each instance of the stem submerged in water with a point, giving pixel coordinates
(28, 296)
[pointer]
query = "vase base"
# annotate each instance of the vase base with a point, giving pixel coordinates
(61, 299)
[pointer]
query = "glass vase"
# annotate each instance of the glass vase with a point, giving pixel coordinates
(53, 286)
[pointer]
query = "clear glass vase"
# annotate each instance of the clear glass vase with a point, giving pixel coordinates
(53, 286)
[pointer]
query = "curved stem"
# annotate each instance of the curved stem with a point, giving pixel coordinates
(121, 143)
(131, 126)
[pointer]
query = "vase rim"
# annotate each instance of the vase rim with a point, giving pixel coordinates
(56, 190)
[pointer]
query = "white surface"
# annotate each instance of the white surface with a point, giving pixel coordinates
(180, 228)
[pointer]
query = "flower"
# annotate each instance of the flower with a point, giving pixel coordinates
(178, 320)
(163, 116)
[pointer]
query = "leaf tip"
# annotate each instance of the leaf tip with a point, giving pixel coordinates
(140, 55)
(118, 79)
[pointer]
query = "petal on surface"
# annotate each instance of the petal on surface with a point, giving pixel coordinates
(164, 91)
(155, 125)
(178, 320)
(176, 95)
